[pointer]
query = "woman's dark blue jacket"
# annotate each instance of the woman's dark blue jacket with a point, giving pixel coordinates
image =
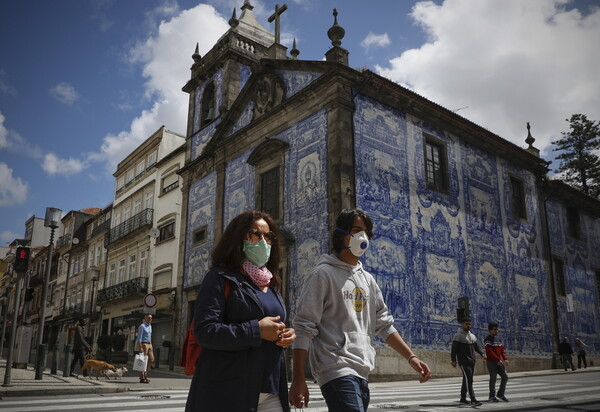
(229, 371)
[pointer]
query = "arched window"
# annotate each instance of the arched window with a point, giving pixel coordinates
(208, 110)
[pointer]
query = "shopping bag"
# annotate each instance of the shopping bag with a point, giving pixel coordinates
(140, 362)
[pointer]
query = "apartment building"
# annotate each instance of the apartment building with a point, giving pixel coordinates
(145, 209)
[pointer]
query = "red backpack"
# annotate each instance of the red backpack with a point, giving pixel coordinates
(191, 349)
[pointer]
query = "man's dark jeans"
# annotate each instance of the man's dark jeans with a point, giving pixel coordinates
(346, 394)
(467, 382)
(494, 369)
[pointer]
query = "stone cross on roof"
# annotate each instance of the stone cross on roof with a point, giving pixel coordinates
(276, 16)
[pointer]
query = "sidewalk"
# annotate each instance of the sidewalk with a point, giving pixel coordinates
(23, 382)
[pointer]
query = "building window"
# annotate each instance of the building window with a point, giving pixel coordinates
(436, 165)
(573, 222)
(166, 232)
(129, 177)
(559, 276)
(143, 264)
(199, 236)
(132, 260)
(269, 192)
(149, 200)
(98, 255)
(137, 205)
(208, 110)
(111, 275)
(121, 272)
(139, 170)
(517, 199)
(170, 182)
(151, 160)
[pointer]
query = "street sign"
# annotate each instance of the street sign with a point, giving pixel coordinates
(150, 300)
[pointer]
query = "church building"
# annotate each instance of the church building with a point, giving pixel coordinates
(460, 214)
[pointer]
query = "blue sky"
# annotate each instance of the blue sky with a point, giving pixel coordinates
(83, 82)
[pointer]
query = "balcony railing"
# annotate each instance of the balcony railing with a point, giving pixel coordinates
(101, 228)
(64, 240)
(130, 225)
(137, 286)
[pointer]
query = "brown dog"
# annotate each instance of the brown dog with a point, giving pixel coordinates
(100, 367)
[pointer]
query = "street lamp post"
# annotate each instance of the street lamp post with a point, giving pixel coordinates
(95, 276)
(52, 221)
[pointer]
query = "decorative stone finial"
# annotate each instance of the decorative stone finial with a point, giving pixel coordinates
(233, 21)
(529, 140)
(196, 56)
(247, 5)
(336, 32)
(294, 52)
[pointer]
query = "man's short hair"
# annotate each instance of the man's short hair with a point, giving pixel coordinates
(492, 325)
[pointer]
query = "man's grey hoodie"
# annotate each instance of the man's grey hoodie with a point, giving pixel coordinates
(340, 309)
(464, 346)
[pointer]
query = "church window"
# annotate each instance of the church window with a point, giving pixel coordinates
(517, 199)
(269, 192)
(208, 110)
(573, 222)
(268, 159)
(436, 165)
(559, 276)
(200, 236)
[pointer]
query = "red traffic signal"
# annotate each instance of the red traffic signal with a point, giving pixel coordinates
(22, 260)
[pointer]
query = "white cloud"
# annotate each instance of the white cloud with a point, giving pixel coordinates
(376, 40)
(166, 60)
(13, 190)
(53, 165)
(7, 236)
(510, 62)
(3, 133)
(64, 93)
(6, 88)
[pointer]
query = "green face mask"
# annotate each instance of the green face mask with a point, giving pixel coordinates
(257, 253)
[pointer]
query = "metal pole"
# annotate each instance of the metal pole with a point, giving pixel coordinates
(42, 349)
(4, 318)
(13, 333)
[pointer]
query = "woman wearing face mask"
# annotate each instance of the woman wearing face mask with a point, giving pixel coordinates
(240, 323)
(339, 312)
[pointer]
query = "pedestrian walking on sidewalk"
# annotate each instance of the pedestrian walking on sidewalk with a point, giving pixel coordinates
(464, 346)
(80, 347)
(341, 309)
(580, 348)
(143, 344)
(496, 363)
(566, 353)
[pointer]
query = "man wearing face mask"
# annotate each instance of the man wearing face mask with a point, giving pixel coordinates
(340, 309)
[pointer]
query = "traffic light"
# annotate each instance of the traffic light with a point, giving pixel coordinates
(29, 295)
(22, 260)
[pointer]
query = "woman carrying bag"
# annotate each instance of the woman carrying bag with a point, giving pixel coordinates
(242, 363)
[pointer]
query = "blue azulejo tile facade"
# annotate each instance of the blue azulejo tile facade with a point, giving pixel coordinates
(346, 138)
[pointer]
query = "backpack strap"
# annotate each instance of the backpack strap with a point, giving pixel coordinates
(227, 290)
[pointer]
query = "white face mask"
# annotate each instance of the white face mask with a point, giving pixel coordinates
(359, 242)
